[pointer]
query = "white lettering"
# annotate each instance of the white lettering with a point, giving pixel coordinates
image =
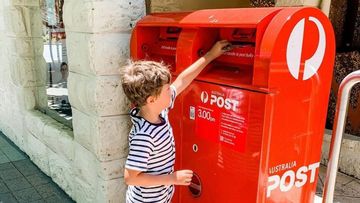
(213, 99)
(301, 176)
(276, 181)
(298, 178)
(283, 186)
(235, 105)
(228, 104)
(168, 48)
(313, 168)
(223, 103)
(220, 102)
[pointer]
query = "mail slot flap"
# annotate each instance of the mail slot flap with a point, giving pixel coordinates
(240, 54)
(248, 17)
(243, 45)
(156, 43)
(227, 74)
(163, 42)
(162, 19)
(238, 34)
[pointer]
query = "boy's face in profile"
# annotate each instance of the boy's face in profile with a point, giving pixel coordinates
(164, 99)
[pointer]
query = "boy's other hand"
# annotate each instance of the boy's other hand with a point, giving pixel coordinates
(219, 48)
(182, 177)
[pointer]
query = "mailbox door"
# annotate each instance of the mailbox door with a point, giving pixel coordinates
(221, 142)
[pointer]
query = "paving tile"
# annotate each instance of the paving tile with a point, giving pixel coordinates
(3, 159)
(6, 166)
(343, 199)
(7, 198)
(17, 184)
(9, 149)
(343, 179)
(27, 195)
(58, 199)
(64, 197)
(16, 157)
(347, 189)
(344, 189)
(13, 154)
(351, 189)
(3, 188)
(48, 190)
(10, 174)
(322, 172)
(38, 179)
(39, 201)
(319, 186)
(4, 143)
(26, 167)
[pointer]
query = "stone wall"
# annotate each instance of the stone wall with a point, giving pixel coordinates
(349, 161)
(21, 54)
(87, 162)
(189, 5)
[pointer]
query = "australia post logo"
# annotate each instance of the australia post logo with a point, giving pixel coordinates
(295, 49)
(219, 99)
(291, 176)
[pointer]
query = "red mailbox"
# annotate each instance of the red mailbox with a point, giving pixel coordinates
(251, 125)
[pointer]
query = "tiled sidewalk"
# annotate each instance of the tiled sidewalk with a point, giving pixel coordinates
(347, 188)
(21, 181)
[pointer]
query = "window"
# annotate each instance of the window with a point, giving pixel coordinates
(57, 68)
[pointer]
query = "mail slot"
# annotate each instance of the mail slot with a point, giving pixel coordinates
(155, 38)
(251, 124)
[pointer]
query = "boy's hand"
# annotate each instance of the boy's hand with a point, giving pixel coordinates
(189, 74)
(219, 48)
(182, 177)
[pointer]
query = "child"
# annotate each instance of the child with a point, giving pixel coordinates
(149, 168)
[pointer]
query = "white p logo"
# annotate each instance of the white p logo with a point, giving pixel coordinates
(204, 97)
(295, 48)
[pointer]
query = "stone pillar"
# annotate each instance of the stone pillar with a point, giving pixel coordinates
(165, 6)
(314, 3)
(190, 5)
(98, 36)
(21, 50)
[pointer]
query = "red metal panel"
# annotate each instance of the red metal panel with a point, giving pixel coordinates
(298, 52)
(228, 140)
(240, 17)
(252, 123)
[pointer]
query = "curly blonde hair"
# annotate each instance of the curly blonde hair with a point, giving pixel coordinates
(141, 79)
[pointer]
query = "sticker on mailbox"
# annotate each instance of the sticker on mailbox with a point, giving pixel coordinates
(221, 117)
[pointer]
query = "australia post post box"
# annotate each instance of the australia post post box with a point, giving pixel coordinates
(251, 124)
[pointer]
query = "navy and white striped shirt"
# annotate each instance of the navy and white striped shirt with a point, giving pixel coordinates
(152, 151)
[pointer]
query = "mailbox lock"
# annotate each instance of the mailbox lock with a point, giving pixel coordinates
(201, 52)
(195, 148)
(145, 47)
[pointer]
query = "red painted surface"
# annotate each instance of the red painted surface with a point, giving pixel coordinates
(251, 125)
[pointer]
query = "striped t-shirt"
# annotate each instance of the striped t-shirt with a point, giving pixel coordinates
(152, 151)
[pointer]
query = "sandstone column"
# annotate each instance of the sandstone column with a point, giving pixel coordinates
(21, 51)
(98, 35)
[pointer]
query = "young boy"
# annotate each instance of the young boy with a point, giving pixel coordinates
(149, 168)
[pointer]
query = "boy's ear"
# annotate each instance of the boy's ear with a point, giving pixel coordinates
(150, 99)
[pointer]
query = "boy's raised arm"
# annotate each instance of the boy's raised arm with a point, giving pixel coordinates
(189, 74)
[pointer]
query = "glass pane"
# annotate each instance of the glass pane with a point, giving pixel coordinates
(56, 58)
